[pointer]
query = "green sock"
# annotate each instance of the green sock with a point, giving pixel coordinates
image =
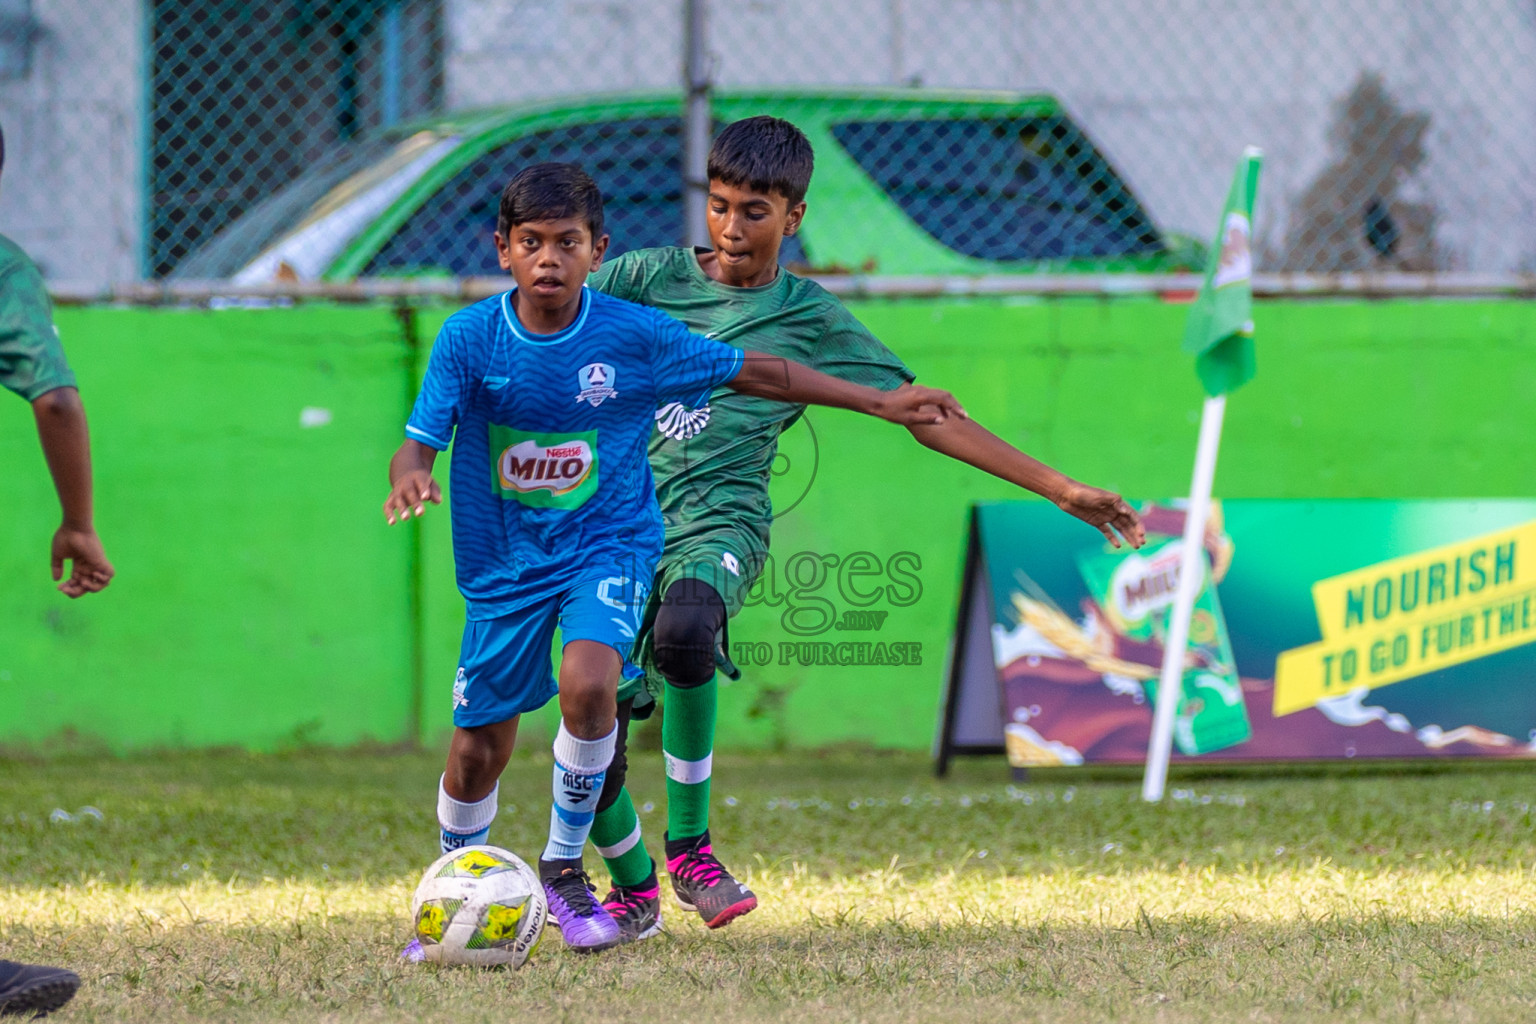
(616, 834)
(688, 741)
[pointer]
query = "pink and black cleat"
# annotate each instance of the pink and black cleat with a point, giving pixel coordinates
(702, 884)
(636, 910)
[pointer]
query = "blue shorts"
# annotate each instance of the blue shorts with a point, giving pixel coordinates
(504, 663)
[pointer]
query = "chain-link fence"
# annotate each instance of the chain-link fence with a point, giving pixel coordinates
(1395, 132)
(327, 139)
(246, 97)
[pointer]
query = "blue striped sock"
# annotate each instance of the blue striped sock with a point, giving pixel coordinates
(580, 766)
(451, 841)
(464, 824)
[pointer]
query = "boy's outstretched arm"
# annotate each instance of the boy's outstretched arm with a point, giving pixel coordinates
(975, 445)
(785, 380)
(410, 482)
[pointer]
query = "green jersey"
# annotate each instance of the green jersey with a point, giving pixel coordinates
(713, 463)
(31, 358)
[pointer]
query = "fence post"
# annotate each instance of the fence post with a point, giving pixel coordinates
(696, 121)
(390, 66)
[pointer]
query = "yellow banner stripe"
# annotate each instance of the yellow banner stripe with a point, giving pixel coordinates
(1403, 649)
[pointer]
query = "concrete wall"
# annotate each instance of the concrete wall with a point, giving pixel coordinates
(72, 192)
(499, 51)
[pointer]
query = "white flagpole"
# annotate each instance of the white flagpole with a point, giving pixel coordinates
(1191, 576)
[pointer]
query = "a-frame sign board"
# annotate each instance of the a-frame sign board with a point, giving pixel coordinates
(971, 719)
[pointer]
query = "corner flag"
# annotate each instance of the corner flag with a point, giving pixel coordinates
(1220, 334)
(1220, 328)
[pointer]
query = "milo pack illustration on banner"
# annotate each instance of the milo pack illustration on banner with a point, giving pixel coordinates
(1134, 591)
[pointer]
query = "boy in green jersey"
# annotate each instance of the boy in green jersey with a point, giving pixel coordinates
(712, 468)
(32, 365)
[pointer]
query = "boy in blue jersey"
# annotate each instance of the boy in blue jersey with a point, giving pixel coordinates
(549, 393)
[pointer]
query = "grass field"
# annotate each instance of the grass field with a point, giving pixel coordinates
(246, 888)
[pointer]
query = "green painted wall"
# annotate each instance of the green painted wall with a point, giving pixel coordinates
(261, 601)
(257, 600)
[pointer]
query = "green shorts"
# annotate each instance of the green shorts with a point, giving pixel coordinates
(729, 562)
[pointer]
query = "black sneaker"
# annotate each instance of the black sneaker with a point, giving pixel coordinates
(26, 988)
(701, 884)
(636, 910)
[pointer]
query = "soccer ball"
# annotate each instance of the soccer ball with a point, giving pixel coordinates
(479, 906)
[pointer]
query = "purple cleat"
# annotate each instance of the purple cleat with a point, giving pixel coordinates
(413, 953)
(584, 924)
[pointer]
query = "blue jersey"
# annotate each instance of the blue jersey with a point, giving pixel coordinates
(550, 480)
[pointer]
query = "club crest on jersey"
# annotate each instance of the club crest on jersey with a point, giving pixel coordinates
(544, 472)
(595, 383)
(679, 423)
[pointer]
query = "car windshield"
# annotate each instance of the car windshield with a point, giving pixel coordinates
(317, 213)
(637, 162)
(1004, 188)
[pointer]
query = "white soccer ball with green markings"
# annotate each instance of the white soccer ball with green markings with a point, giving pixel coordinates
(480, 906)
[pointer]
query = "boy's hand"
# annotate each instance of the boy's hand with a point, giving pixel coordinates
(912, 405)
(412, 491)
(89, 570)
(1104, 509)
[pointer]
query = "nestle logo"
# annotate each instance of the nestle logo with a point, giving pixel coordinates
(560, 453)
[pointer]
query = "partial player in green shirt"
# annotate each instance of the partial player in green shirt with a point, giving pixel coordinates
(32, 365)
(713, 465)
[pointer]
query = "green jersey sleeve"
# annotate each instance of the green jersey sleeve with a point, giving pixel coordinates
(616, 277)
(848, 350)
(31, 358)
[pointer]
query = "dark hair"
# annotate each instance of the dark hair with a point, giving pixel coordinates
(765, 154)
(550, 192)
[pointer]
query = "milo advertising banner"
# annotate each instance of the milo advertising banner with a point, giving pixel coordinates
(1323, 630)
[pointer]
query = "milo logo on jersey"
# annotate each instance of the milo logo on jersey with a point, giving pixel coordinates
(544, 470)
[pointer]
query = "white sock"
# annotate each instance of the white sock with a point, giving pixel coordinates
(465, 824)
(580, 766)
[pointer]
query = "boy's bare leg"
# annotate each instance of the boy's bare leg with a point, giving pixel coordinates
(477, 755)
(589, 684)
(466, 796)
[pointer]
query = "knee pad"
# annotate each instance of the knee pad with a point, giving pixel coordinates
(618, 768)
(683, 637)
(613, 782)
